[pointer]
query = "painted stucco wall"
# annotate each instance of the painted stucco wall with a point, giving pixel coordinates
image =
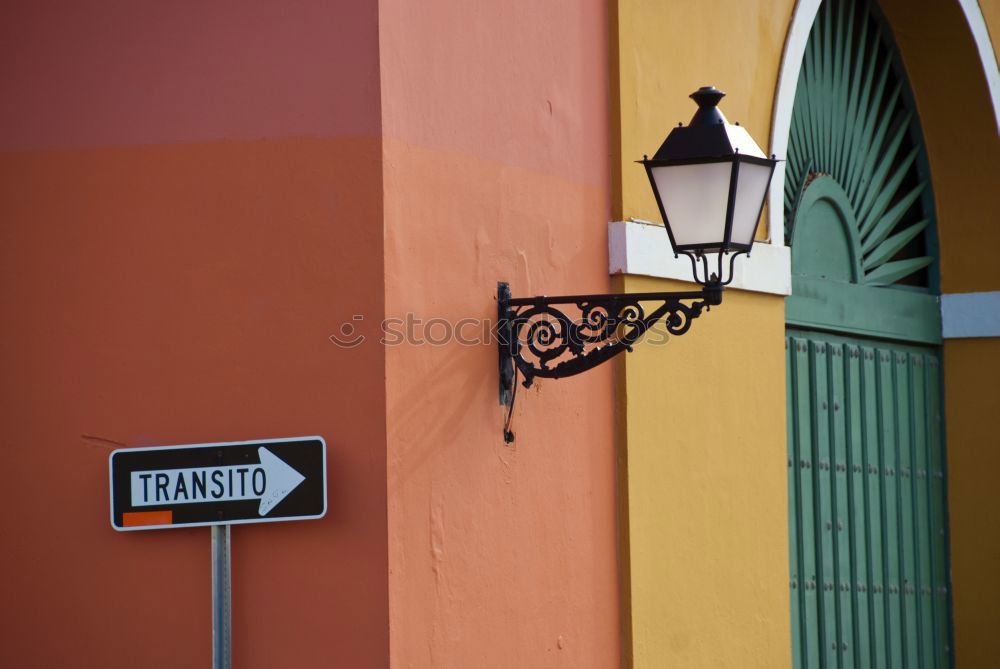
(705, 547)
(190, 198)
(991, 15)
(959, 127)
(666, 50)
(192, 202)
(964, 153)
(707, 489)
(971, 394)
(496, 169)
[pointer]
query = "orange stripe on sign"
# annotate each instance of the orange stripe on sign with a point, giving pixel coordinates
(138, 518)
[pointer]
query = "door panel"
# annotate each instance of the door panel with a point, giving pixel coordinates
(866, 503)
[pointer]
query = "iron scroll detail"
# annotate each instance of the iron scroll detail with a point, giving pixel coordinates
(538, 337)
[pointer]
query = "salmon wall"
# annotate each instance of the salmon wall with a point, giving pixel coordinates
(495, 135)
(190, 204)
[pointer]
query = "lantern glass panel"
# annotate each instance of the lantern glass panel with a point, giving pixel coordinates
(751, 187)
(695, 198)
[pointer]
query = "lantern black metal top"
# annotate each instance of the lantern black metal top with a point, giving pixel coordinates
(710, 179)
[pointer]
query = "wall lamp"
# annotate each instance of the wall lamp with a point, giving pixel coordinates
(710, 180)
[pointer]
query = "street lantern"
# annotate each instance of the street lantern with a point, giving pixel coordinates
(709, 180)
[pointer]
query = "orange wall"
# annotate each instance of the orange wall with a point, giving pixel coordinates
(495, 122)
(190, 200)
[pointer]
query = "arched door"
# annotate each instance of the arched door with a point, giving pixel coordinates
(866, 484)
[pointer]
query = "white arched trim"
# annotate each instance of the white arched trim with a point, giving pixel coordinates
(974, 17)
(788, 78)
(781, 121)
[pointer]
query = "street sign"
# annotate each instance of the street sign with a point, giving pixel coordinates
(218, 484)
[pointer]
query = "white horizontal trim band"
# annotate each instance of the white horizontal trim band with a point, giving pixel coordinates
(644, 249)
(970, 315)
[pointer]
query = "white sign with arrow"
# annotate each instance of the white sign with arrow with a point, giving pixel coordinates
(270, 481)
(218, 484)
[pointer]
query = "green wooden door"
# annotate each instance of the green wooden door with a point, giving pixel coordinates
(866, 482)
(869, 580)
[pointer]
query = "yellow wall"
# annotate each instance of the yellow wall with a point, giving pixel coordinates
(706, 489)
(972, 397)
(964, 153)
(702, 455)
(959, 128)
(703, 502)
(991, 14)
(664, 51)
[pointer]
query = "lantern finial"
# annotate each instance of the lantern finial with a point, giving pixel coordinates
(708, 98)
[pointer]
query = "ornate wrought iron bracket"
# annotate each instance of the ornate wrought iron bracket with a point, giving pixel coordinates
(538, 338)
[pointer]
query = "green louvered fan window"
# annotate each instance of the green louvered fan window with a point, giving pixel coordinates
(859, 212)
(866, 479)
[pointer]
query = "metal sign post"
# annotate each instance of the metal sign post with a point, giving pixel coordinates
(222, 610)
(218, 485)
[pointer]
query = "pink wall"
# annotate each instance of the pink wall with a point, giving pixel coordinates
(191, 203)
(496, 168)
